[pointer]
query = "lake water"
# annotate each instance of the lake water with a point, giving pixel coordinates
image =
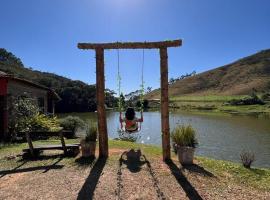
(220, 136)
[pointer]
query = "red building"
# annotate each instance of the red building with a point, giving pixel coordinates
(12, 87)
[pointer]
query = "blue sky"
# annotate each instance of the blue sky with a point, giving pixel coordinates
(45, 33)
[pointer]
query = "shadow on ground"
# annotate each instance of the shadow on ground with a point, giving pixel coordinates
(198, 169)
(134, 162)
(88, 188)
(46, 168)
(85, 162)
(190, 191)
(38, 155)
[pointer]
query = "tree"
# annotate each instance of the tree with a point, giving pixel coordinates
(9, 58)
(20, 112)
(76, 96)
(110, 99)
(121, 102)
(148, 89)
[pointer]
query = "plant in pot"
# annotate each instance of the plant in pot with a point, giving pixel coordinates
(88, 143)
(184, 143)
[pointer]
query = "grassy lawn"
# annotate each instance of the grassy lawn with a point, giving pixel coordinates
(255, 177)
(206, 98)
(215, 103)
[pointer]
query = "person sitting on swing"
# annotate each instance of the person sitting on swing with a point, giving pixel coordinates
(131, 121)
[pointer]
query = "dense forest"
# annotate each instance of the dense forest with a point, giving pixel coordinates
(76, 96)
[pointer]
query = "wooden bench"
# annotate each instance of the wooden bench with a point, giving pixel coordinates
(34, 151)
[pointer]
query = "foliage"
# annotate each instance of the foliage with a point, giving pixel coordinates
(247, 158)
(206, 98)
(71, 123)
(110, 99)
(121, 102)
(91, 133)
(250, 100)
(25, 117)
(41, 122)
(9, 58)
(148, 90)
(76, 96)
(233, 172)
(21, 112)
(265, 97)
(25, 107)
(173, 80)
(145, 104)
(184, 136)
(135, 98)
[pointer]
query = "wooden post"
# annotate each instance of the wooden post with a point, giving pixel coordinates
(102, 125)
(63, 142)
(165, 127)
(100, 87)
(30, 144)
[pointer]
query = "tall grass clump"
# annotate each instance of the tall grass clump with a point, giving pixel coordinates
(91, 133)
(184, 136)
(247, 158)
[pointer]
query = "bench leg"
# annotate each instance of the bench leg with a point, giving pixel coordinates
(30, 144)
(63, 142)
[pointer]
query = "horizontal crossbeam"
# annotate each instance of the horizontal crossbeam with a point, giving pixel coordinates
(131, 45)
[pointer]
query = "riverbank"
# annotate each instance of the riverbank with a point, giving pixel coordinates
(55, 177)
(213, 103)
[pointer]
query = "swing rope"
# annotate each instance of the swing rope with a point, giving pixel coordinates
(142, 85)
(119, 82)
(120, 105)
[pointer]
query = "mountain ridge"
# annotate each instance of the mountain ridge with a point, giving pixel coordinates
(242, 77)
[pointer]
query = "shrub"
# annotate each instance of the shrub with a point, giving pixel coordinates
(41, 122)
(266, 97)
(251, 100)
(71, 123)
(184, 136)
(25, 117)
(21, 111)
(247, 158)
(91, 133)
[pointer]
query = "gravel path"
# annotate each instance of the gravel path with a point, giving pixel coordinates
(126, 178)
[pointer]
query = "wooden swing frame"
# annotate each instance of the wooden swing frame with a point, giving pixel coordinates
(100, 88)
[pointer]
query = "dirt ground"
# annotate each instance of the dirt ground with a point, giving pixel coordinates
(123, 176)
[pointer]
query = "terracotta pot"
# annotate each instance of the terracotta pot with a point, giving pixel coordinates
(88, 148)
(185, 155)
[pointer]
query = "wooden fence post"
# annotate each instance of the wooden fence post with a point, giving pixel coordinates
(165, 127)
(100, 87)
(30, 144)
(61, 134)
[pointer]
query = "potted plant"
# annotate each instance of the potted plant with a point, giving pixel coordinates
(88, 143)
(184, 143)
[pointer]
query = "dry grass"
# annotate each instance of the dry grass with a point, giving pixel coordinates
(238, 78)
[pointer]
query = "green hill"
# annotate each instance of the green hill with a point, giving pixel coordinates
(242, 77)
(76, 96)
